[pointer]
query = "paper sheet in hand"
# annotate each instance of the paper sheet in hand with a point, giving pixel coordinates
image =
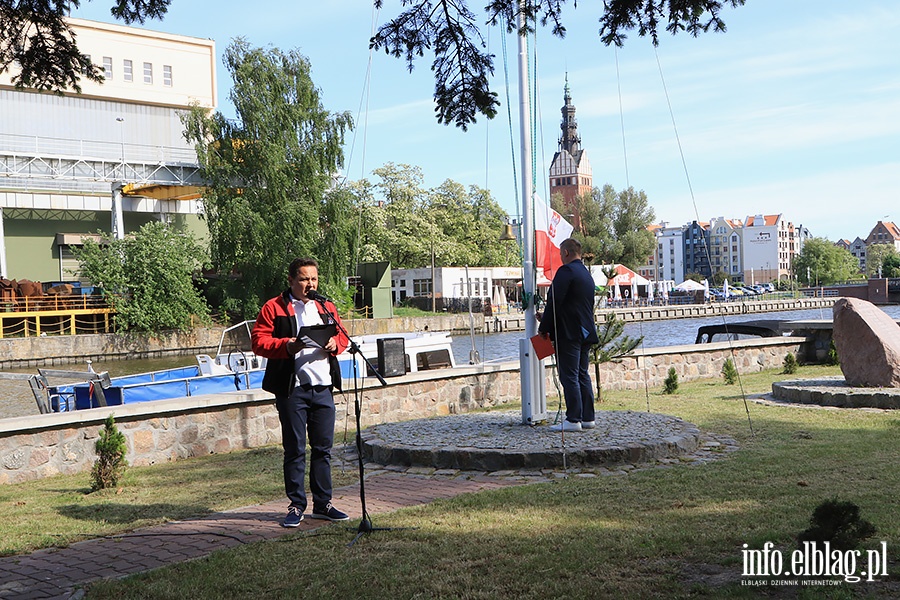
(317, 335)
(543, 347)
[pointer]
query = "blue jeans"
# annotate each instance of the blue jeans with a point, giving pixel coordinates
(573, 361)
(307, 409)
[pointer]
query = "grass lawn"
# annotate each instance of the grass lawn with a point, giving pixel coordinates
(675, 532)
(61, 510)
(412, 311)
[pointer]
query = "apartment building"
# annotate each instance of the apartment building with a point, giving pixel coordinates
(770, 243)
(884, 232)
(725, 241)
(857, 248)
(696, 249)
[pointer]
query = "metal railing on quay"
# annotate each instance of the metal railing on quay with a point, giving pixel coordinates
(31, 304)
(39, 316)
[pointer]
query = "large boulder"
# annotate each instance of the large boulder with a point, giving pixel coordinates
(868, 344)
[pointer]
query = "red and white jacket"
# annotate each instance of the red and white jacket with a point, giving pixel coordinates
(275, 326)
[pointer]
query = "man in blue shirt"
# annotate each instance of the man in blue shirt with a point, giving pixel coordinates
(568, 320)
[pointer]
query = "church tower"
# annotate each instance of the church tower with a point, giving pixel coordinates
(570, 172)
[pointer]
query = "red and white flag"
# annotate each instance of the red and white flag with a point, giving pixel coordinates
(550, 229)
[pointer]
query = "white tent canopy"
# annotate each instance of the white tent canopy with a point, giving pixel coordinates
(689, 285)
(624, 276)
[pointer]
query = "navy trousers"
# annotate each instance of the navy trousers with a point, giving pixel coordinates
(573, 361)
(307, 409)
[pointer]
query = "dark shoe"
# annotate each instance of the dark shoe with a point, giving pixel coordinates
(293, 518)
(329, 513)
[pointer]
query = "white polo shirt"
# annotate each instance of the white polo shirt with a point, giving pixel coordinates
(310, 364)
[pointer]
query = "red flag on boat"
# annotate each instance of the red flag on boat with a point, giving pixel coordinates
(550, 229)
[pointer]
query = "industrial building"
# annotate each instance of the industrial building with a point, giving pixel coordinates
(107, 160)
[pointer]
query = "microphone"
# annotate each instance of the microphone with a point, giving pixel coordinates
(315, 295)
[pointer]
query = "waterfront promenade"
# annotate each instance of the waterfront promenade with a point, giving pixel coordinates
(631, 314)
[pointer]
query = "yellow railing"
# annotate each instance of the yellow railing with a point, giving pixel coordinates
(52, 302)
(55, 315)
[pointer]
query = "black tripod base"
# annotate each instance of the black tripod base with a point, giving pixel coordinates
(365, 527)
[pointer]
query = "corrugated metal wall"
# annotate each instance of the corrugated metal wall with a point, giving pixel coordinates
(90, 123)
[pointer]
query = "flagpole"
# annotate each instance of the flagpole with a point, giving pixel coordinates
(531, 370)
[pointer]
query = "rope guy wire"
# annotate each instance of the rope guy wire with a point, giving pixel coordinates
(704, 244)
(362, 109)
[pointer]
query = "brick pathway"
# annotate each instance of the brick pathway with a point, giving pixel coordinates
(61, 572)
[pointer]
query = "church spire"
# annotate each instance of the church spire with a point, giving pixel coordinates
(569, 140)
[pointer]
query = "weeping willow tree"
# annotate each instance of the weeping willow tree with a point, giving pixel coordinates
(269, 173)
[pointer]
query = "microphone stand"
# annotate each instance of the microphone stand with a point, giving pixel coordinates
(365, 523)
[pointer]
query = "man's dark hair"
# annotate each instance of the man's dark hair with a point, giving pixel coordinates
(301, 262)
(571, 245)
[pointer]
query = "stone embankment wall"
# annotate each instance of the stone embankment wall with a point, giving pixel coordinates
(46, 445)
(56, 350)
(714, 309)
(698, 361)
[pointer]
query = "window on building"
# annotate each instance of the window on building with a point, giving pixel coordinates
(148, 73)
(84, 71)
(167, 75)
(421, 287)
(69, 266)
(107, 67)
(127, 70)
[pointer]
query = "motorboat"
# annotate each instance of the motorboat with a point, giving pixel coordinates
(420, 351)
(733, 331)
(233, 368)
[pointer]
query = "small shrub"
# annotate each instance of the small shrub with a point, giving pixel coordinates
(670, 385)
(837, 522)
(790, 364)
(729, 372)
(833, 360)
(110, 463)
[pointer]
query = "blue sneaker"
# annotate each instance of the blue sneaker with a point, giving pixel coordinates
(329, 513)
(293, 518)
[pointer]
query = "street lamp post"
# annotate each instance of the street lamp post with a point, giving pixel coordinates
(121, 122)
(433, 304)
(118, 222)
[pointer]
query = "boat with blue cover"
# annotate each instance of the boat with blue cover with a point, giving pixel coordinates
(233, 368)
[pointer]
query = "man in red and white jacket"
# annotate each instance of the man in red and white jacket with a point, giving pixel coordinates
(301, 378)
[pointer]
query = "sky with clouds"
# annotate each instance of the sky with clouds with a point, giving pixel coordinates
(794, 110)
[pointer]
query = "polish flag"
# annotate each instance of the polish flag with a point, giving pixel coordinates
(550, 229)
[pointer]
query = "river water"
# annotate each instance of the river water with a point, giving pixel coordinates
(498, 347)
(17, 400)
